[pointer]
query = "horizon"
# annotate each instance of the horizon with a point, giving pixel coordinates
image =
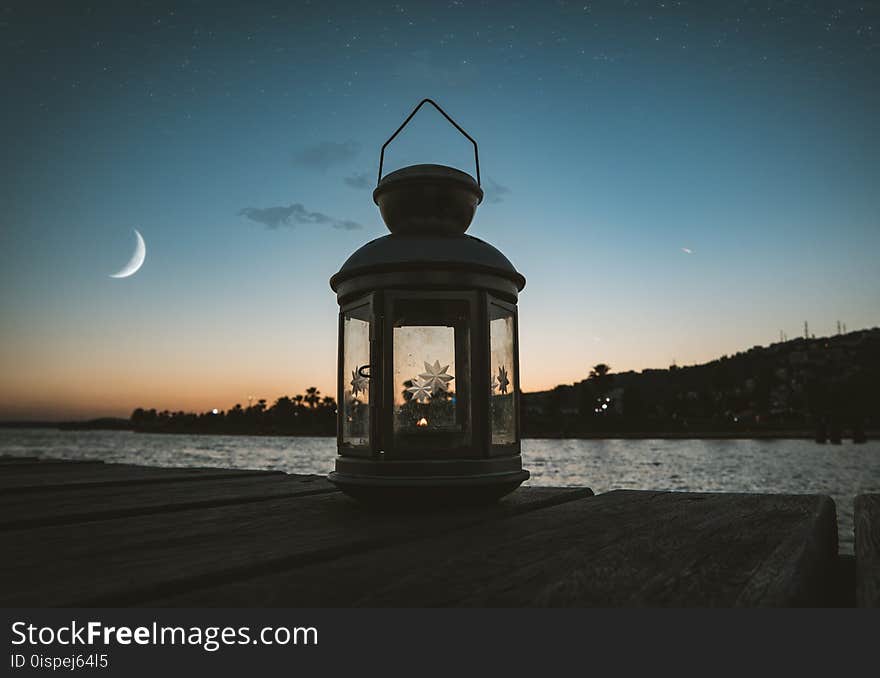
(675, 182)
(270, 400)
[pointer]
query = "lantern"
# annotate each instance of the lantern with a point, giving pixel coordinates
(428, 364)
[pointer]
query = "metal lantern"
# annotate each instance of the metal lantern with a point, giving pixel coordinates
(428, 351)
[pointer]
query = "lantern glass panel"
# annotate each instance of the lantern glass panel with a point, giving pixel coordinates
(355, 384)
(431, 377)
(502, 375)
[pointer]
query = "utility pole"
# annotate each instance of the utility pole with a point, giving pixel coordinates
(806, 330)
(838, 327)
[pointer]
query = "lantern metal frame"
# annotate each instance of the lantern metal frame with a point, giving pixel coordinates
(432, 260)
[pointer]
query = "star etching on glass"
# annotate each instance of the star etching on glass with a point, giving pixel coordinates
(358, 382)
(421, 390)
(503, 381)
(436, 377)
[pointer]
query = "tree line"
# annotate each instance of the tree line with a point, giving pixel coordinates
(303, 414)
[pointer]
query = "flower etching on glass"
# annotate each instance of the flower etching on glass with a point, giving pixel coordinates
(436, 377)
(502, 380)
(358, 382)
(420, 390)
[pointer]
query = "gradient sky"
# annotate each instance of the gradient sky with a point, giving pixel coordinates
(612, 136)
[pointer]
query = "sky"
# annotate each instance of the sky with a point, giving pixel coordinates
(676, 180)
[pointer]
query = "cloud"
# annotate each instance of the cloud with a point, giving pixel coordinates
(291, 215)
(494, 191)
(327, 154)
(346, 225)
(358, 180)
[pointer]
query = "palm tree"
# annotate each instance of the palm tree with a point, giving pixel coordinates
(601, 377)
(599, 371)
(312, 398)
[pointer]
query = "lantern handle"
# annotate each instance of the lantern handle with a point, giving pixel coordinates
(445, 115)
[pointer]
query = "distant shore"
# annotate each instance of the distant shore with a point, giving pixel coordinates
(783, 434)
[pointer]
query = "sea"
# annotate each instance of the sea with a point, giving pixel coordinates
(775, 466)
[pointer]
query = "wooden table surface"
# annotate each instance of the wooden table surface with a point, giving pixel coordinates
(94, 534)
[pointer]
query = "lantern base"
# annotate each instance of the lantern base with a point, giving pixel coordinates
(373, 486)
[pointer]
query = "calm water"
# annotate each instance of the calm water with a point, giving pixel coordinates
(788, 466)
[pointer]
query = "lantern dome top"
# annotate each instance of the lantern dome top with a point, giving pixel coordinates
(428, 199)
(430, 172)
(428, 251)
(427, 208)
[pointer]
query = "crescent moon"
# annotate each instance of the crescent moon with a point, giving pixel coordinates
(136, 261)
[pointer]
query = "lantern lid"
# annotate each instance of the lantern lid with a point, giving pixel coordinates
(428, 199)
(416, 252)
(430, 173)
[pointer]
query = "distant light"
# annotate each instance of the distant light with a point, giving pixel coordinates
(607, 400)
(605, 406)
(215, 411)
(422, 422)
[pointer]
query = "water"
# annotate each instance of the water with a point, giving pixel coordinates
(781, 466)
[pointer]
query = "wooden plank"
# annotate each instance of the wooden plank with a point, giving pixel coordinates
(36, 478)
(844, 594)
(867, 547)
(624, 548)
(77, 504)
(128, 560)
(7, 459)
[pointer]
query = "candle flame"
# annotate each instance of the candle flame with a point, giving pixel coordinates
(422, 422)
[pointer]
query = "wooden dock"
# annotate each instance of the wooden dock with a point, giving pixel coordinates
(93, 534)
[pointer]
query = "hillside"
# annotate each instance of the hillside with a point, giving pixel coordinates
(793, 386)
